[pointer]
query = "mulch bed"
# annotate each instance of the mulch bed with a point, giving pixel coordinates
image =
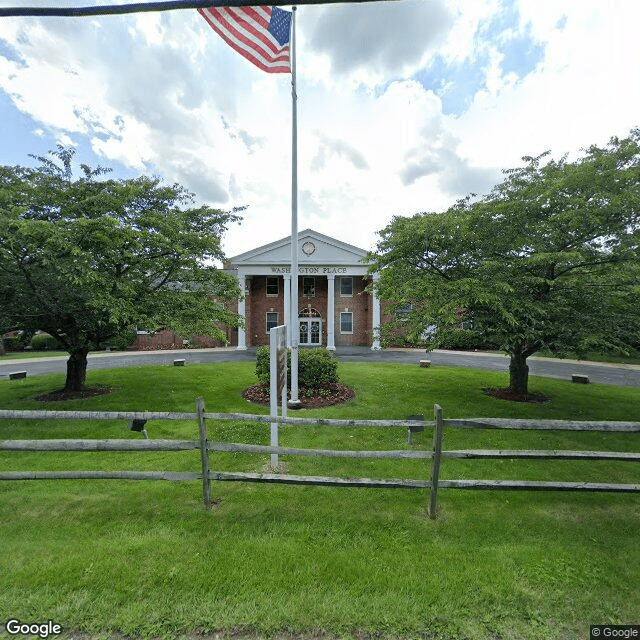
(62, 394)
(325, 396)
(508, 394)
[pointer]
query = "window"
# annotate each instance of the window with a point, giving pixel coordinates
(272, 286)
(405, 309)
(346, 322)
(309, 287)
(272, 320)
(346, 286)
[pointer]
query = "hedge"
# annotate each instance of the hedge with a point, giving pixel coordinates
(45, 342)
(316, 367)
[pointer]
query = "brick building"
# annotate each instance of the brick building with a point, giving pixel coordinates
(334, 308)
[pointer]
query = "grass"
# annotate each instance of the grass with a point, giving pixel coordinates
(28, 355)
(613, 358)
(145, 559)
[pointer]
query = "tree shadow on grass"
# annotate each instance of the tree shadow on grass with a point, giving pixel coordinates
(513, 396)
(63, 394)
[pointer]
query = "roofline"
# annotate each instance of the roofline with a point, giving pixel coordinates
(287, 240)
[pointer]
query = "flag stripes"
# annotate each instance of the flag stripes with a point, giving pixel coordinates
(252, 32)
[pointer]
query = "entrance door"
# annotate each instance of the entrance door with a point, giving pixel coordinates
(310, 332)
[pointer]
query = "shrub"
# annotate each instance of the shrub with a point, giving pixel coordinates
(315, 367)
(123, 339)
(262, 364)
(463, 340)
(45, 342)
(12, 343)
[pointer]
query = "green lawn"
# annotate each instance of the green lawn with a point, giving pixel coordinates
(28, 355)
(145, 559)
(631, 358)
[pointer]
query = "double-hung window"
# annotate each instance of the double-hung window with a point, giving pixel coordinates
(346, 286)
(272, 286)
(309, 286)
(272, 320)
(346, 322)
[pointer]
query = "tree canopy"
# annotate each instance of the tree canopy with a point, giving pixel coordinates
(549, 259)
(84, 257)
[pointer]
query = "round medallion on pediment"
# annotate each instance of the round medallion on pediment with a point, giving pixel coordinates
(308, 248)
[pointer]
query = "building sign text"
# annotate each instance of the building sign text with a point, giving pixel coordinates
(320, 270)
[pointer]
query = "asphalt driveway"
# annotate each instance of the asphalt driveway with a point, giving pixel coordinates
(618, 374)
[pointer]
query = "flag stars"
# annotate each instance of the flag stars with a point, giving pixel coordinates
(279, 25)
(261, 35)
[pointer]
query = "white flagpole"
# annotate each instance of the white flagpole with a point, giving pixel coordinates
(294, 402)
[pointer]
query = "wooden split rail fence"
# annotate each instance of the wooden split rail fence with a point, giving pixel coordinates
(436, 454)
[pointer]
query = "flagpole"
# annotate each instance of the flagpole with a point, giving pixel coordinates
(294, 402)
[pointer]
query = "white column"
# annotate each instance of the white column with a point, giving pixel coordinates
(331, 312)
(287, 306)
(375, 325)
(242, 340)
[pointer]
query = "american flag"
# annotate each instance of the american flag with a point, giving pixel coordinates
(260, 34)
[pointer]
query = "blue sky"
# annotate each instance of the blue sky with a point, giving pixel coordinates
(456, 83)
(402, 106)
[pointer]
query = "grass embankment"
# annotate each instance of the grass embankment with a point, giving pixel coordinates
(146, 559)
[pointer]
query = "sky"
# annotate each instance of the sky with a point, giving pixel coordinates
(403, 106)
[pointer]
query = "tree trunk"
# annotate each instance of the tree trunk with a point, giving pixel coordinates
(519, 374)
(76, 370)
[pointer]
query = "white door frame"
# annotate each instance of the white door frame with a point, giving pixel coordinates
(307, 322)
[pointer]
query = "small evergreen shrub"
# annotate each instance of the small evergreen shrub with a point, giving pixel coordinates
(262, 364)
(463, 340)
(123, 339)
(13, 343)
(316, 367)
(45, 342)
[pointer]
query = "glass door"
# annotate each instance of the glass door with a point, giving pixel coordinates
(310, 332)
(314, 332)
(304, 331)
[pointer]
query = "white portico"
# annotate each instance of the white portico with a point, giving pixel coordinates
(334, 307)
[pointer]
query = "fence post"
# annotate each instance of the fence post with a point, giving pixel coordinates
(435, 466)
(204, 454)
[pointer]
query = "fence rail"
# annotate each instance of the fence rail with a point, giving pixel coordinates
(462, 423)
(436, 454)
(98, 445)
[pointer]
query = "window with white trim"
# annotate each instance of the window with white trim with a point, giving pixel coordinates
(272, 286)
(272, 320)
(309, 286)
(346, 322)
(346, 286)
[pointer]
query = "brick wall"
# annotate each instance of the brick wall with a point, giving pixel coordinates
(360, 305)
(258, 304)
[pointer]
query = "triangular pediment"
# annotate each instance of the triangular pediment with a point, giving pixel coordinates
(313, 248)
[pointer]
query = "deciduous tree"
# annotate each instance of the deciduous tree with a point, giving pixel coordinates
(550, 259)
(84, 257)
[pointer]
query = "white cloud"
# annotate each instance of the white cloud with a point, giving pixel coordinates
(583, 93)
(403, 106)
(383, 36)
